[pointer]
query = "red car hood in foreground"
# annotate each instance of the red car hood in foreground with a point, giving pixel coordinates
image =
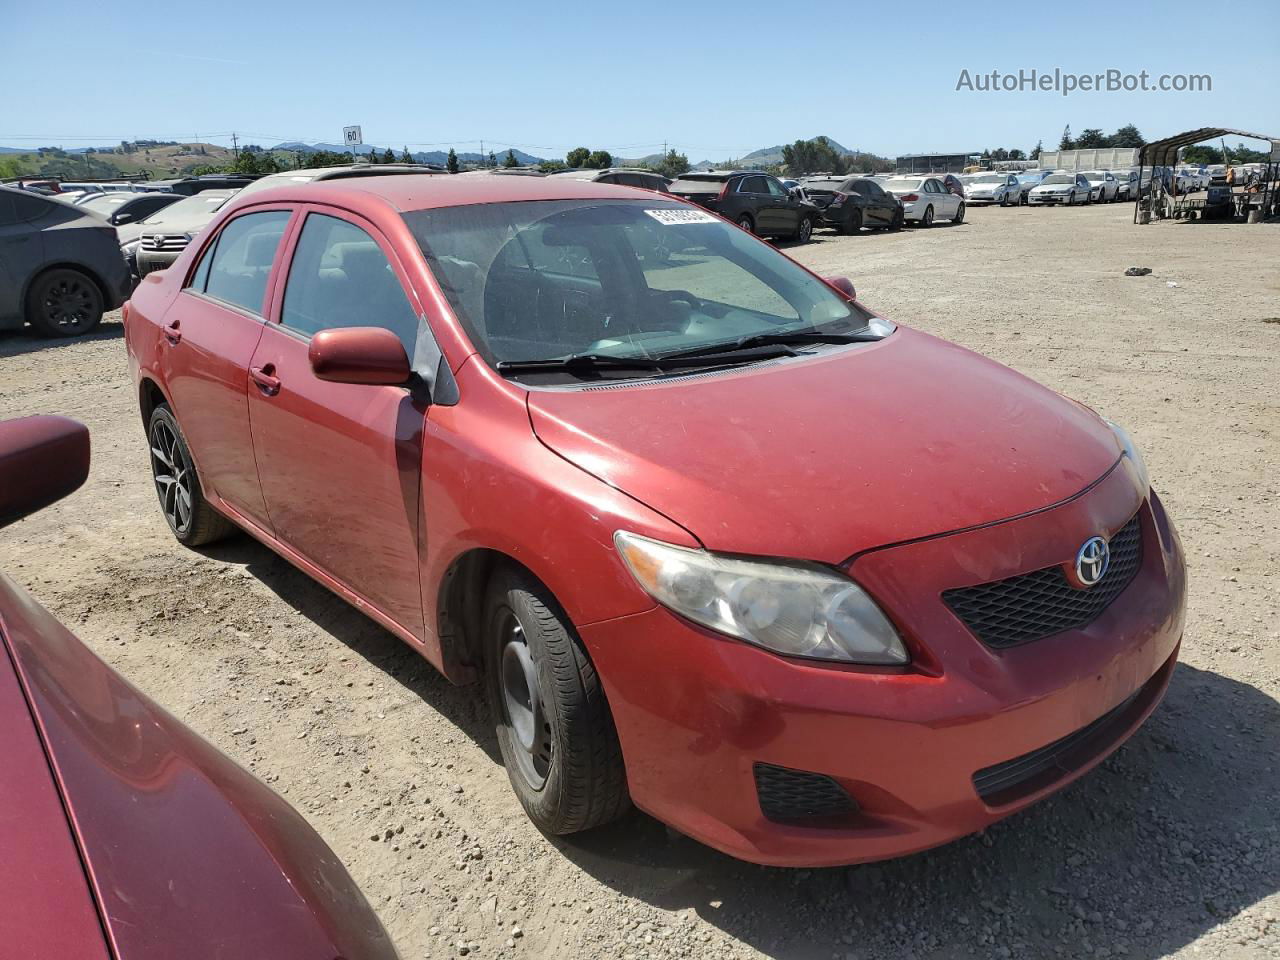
(825, 457)
(185, 854)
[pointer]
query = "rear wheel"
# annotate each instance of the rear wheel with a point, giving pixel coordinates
(182, 501)
(927, 219)
(959, 217)
(896, 222)
(852, 223)
(746, 223)
(554, 727)
(64, 303)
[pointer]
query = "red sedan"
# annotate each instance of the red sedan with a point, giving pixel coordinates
(124, 835)
(716, 539)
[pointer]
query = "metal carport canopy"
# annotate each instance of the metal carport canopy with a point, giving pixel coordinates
(1162, 153)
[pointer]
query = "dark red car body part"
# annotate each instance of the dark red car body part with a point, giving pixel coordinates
(910, 464)
(42, 460)
(369, 355)
(125, 835)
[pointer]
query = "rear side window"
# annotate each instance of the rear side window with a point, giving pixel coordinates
(239, 263)
(340, 277)
(28, 207)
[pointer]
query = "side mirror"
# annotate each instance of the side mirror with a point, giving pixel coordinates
(843, 286)
(120, 218)
(368, 355)
(42, 460)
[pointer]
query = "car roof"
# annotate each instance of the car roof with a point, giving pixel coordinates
(407, 193)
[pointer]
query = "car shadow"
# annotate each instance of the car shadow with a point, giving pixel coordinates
(17, 342)
(1171, 836)
(464, 707)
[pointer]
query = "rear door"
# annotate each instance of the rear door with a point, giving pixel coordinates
(210, 333)
(19, 253)
(341, 464)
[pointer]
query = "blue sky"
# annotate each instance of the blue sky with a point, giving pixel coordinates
(713, 80)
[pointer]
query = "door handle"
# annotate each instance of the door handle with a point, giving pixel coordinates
(265, 378)
(172, 333)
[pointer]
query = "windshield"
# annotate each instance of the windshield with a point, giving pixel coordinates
(694, 184)
(1060, 178)
(903, 184)
(189, 208)
(987, 178)
(616, 278)
(1094, 175)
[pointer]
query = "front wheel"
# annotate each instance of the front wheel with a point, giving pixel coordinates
(182, 501)
(959, 217)
(553, 723)
(1071, 199)
(804, 232)
(64, 303)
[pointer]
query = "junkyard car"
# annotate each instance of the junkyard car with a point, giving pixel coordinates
(714, 538)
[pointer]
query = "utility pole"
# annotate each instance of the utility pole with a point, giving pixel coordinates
(235, 146)
(484, 163)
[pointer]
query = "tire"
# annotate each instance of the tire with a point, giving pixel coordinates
(746, 223)
(558, 741)
(197, 523)
(959, 217)
(804, 232)
(64, 303)
(852, 224)
(1024, 199)
(927, 219)
(897, 221)
(1071, 199)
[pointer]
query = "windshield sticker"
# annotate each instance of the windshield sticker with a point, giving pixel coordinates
(676, 218)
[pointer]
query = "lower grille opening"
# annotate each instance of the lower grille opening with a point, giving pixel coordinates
(789, 795)
(1014, 779)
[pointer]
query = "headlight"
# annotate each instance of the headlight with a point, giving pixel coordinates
(130, 248)
(1131, 451)
(800, 610)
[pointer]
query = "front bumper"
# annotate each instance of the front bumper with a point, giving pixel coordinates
(696, 712)
(1048, 198)
(149, 261)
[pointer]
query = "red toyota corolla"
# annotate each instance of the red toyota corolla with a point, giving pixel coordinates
(123, 835)
(717, 539)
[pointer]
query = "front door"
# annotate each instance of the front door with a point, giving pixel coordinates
(340, 464)
(210, 333)
(785, 208)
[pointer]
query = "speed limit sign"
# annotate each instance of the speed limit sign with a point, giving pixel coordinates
(352, 136)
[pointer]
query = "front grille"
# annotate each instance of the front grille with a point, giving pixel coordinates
(159, 241)
(1039, 604)
(788, 795)
(1008, 781)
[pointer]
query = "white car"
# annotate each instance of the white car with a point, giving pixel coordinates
(1126, 184)
(1062, 188)
(1001, 188)
(1103, 185)
(925, 199)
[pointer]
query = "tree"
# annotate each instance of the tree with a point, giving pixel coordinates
(406, 157)
(673, 164)
(1066, 143)
(451, 162)
(1035, 151)
(599, 160)
(552, 166)
(1091, 139)
(493, 161)
(813, 156)
(1016, 154)
(577, 157)
(389, 156)
(510, 161)
(1126, 136)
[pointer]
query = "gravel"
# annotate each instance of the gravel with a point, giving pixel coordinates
(1170, 848)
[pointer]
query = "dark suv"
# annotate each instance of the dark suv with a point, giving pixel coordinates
(851, 203)
(754, 201)
(623, 176)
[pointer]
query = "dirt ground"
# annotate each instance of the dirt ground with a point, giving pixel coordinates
(1170, 848)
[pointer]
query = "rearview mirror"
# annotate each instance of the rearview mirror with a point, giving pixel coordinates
(844, 286)
(42, 460)
(368, 355)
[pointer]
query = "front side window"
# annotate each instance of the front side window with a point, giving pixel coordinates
(236, 267)
(774, 187)
(663, 278)
(340, 277)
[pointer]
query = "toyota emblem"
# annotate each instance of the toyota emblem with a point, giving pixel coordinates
(1092, 561)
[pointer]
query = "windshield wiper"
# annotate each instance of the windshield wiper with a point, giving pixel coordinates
(794, 338)
(601, 361)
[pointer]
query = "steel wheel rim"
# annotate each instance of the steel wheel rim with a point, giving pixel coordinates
(173, 476)
(522, 705)
(806, 230)
(68, 302)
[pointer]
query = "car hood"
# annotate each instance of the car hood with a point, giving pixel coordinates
(1052, 187)
(823, 457)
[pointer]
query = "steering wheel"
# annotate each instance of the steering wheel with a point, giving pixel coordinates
(684, 295)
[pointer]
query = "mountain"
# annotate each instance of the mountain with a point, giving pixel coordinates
(421, 156)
